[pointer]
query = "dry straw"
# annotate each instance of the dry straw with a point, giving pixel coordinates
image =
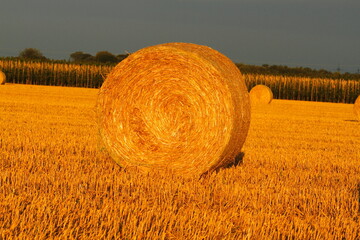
(2, 78)
(357, 107)
(261, 94)
(177, 106)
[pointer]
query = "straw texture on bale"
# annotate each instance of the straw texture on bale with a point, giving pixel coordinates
(357, 107)
(176, 106)
(261, 94)
(2, 78)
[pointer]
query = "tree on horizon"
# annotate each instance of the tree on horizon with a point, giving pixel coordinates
(32, 53)
(81, 57)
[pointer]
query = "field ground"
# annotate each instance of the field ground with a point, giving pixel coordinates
(299, 177)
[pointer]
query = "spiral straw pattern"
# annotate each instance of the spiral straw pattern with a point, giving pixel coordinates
(176, 106)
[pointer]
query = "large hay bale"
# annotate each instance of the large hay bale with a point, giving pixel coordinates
(177, 106)
(261, 94)
(2, 78)
(357, 107)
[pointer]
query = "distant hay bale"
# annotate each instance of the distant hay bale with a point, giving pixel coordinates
(357, 107)
(2, 78)
(261, 94)
(177, 106)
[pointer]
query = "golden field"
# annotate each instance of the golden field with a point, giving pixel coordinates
(299, 177)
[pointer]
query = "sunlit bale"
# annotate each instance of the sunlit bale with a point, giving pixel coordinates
(2, 78)
(357, 107)
(260, 94)
(177, 106)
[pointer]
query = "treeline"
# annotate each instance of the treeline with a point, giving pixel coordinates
(107, 58)
(69, 74)
(279, 70)
(101, 57)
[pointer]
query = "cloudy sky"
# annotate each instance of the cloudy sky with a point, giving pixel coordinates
(308, 33)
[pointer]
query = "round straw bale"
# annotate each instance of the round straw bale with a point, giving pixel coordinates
(2, 78)
(176, 106)
(261, 94)
(357, 107)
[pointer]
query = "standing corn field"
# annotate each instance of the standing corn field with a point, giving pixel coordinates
(54, 74)
(307, 89)
(92, 76)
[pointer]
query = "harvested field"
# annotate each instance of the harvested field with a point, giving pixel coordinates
(299, 177)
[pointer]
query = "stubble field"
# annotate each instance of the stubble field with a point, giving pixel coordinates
(299, 177)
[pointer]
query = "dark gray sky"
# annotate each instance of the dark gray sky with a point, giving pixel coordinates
(308, 33)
